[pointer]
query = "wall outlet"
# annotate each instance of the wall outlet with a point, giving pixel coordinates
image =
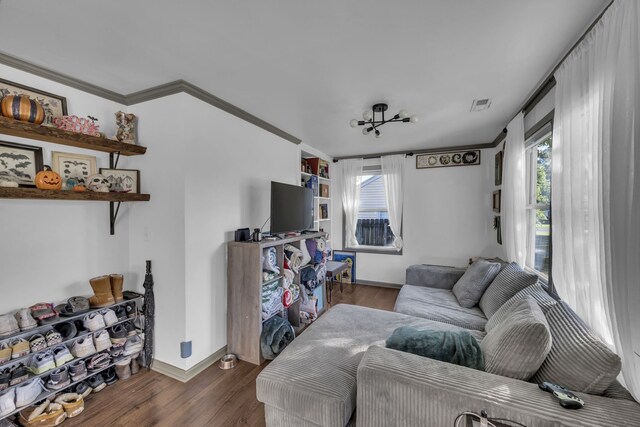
(185, 349)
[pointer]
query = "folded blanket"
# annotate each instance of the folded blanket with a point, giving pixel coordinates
(312, 247)
(457, 347)
(321, 272)
(270, 260)
(277, 333)
(294, 255)
(321, 244)
(309, 278)
(306, 258)
(288, 276)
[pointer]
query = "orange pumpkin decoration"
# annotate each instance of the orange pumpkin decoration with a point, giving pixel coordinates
(79, 188)
(48, 179)
(23, 108)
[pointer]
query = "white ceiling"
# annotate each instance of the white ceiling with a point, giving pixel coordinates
(308, 67)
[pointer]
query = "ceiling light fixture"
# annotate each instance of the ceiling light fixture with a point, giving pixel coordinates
(371, 124)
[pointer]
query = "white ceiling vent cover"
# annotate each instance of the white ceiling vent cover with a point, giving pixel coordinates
(480, 104)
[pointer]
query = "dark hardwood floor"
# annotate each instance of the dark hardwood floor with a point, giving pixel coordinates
(213, 398)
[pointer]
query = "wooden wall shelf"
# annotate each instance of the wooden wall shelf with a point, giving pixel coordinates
(35, 193)
(50, 134)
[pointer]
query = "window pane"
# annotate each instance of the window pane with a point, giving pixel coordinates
(374, 232)
(543, 172)
(543, 236)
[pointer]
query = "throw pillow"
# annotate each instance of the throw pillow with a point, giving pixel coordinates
(537, 292)
(474, 282)
(511, 280)
(578, 360)
(457, 347)
(517, 346)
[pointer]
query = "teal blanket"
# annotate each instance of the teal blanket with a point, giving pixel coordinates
(457, 347)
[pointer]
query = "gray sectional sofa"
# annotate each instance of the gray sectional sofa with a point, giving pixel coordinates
(338, 372)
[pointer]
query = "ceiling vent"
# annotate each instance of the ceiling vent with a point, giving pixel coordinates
(480, 104)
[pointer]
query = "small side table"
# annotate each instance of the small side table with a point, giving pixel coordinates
(334, 268)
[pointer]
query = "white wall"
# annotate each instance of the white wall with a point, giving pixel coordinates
(447, 219)
(50, 249)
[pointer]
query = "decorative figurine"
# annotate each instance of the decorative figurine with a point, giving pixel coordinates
(48, 179)
(23, 108)
(86, 126)
(98, 183)
(126, 127)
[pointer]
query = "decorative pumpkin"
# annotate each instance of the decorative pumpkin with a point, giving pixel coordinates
(48, 179)
(23, 108)
(79, 188)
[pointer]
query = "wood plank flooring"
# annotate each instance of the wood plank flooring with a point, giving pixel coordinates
(213, 398)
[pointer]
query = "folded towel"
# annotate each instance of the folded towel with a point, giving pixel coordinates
(270, 260)
(457, 347)
(294, 255)
(277, 333)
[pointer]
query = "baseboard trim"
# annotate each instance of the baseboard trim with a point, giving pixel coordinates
(379, 284)
(187, 375)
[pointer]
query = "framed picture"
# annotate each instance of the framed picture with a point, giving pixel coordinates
(122, 180)
(447, 159)
(70, 165)
(20, 163)
(496, 200)
(349, 276)
(498, 227)
(498, 167)
(54, 105)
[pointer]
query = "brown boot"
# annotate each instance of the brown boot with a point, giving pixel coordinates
(116, 286)
(102, 290)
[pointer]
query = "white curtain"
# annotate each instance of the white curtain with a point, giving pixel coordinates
(393, 177)
(596, 183)
(514, 198)
(351, 170)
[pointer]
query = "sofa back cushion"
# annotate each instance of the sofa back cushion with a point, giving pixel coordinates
(469, 289)
(535, 291)
(517, 346)
(511, 280)
(578, 360)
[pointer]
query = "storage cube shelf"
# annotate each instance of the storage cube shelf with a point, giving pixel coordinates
(315, 174)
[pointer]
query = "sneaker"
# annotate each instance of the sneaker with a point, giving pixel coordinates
(133, 346)
(37, 343)
(5, 378)
(7, 402)
(5, 352)
(130, 308)
(121, 312)
(25, 320)
(110, 376)
(53, 338)
(19, 348)
(9, 325)
(116, 352)
(47, 414)
(98, 362)
(62, 355)
(28, 392)
(83, 389)
(123, 368)
(97, 383)
(138, 322)
(101, 340)
(67, 330)
(118, 334)
(109, 317)
(72, 403)
(94, 321)
(44, 313)
(131, 330)
(41, 363)
(78, 370)
(79, 324)
(83, 347)
(19, 374)
(58, 379)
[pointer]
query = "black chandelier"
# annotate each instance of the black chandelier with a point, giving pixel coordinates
(371, 124)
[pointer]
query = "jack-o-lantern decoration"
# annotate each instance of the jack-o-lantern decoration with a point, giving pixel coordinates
(48, 179)
(23, 108)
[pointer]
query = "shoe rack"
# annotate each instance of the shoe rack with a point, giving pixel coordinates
(40, 329)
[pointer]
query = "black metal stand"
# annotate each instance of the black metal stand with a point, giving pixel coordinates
(113, 209)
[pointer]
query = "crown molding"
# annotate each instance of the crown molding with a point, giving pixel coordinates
(161, 91)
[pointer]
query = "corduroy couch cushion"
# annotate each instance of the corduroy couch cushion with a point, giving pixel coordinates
(536, 291)
(469, 289)
(511, 280)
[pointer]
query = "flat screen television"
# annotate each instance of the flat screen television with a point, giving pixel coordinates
(291, 208)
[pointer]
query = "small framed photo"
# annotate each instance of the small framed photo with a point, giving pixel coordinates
(498, 168)
(70, 165)
(122, 180)
(496, 200)
(20, 163)
(53, 105)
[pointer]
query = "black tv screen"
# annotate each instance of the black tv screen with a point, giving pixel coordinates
(291, 208)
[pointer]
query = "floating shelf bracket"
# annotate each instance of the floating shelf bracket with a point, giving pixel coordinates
(113, 210)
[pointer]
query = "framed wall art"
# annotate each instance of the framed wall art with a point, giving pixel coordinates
(70, 165)
(122, 180)
(54, 105)
(450, 158)
(349, 276)
(20, 163)
(498, 167)
(497, 195)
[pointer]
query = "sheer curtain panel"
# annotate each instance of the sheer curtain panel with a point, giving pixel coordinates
(596, 183)
(351, 170)
(393, 176)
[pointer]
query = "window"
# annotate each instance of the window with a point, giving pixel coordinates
(538, 158)
(373, 217)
